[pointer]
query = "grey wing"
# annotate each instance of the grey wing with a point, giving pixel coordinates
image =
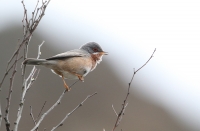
(68, 54)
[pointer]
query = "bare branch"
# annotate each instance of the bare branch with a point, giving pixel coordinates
(8, 70)
(6, 118)
(147, 61)
(31, 114)
(25, 88)
(114, 110)
(39, 52)
(125, 104)
(52, 107)
(33, 13)
(29, 26)
(81, 104)
(121, 115)
(41, 110)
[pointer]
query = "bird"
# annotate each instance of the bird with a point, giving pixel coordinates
(73, 64)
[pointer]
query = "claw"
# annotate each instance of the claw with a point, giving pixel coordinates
(81, 78)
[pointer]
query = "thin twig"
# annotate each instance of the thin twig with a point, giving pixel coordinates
(41, 110)
(39, 47)
(51, 108)
(147, 61)
(31, 114)
(33, 79)
(26, 86)
(81, 104)
(8, 70)
(27, 31)
(33, 13)
(114, 110)
(125, 104)
(8, 64)
(6, 118)
(38, 19)
(29, 26)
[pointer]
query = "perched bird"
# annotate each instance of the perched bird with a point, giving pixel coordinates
(73, 64)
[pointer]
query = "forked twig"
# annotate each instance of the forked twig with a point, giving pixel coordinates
(41, 110)
(26, 86)
(114, 110)
(81, 104)
(31, 114)
(51, 108)
(6, 118)
(29, 26)
(124, 104)
(8, 70)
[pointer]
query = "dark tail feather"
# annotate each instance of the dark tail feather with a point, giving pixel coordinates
(32, 61)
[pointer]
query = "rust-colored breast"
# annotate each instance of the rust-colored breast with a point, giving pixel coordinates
(96, 58)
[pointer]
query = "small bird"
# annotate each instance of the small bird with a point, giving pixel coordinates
(73, 64)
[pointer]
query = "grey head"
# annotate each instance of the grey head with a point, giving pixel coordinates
(93, 47)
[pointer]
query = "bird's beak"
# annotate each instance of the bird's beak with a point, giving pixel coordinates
(104, 53)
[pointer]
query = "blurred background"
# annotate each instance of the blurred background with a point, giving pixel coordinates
(165, 94)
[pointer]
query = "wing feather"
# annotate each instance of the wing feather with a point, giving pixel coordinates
(69, 54)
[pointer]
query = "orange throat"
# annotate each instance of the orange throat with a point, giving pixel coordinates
(96, 59)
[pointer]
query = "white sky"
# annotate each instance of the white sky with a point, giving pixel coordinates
(130, 27)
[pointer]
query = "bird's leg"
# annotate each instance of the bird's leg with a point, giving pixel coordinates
(66, 86)
(81, 78)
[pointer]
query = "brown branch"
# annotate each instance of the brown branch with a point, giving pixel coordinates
(124, 104)
(6, 118)
(8, 70)
(81, 104)
(8, 64)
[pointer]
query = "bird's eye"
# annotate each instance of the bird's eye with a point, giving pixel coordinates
(95, 49)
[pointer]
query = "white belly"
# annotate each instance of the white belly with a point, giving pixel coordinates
(68, 75)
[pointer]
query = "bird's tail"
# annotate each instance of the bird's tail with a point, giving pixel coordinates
(32, 61)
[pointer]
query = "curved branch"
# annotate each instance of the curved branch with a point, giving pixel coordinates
(124, 104)
(81, 104)
(50, 109)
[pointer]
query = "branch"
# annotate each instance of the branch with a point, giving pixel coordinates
(26, 86)
(81, 104)
(8, 70)
(114, 110)
(6, 118)
(31, 114)
(41, 110)
(125, 104)
(51, 108)
(29, 26)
